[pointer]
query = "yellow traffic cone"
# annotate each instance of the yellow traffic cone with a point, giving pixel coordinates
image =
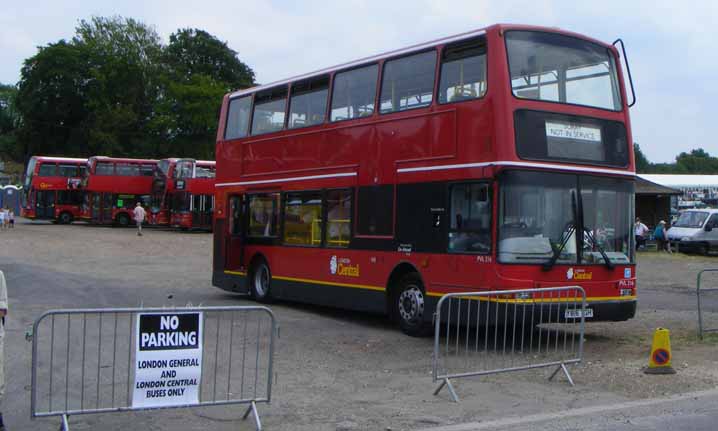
(660, 360)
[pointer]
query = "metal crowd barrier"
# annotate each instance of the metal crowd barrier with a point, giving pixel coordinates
(701, 329)
(107, 360)
(480, 333)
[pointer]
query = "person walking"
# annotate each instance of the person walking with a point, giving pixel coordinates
(3, 313)
(140, 215)
(640, 230)
(11, 216)
(2, 218)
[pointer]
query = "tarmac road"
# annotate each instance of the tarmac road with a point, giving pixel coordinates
(697, 411)
(338, 370)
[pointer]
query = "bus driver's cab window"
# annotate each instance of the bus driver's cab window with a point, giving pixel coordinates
(470, 230)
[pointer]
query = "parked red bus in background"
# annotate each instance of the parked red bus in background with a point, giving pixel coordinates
(113, 186)
(51, 189)
(183, 189)
(495, 159)
(192, 196)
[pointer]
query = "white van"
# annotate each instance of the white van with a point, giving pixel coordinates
(695, 231)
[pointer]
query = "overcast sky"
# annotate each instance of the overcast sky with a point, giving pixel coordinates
(671, 45)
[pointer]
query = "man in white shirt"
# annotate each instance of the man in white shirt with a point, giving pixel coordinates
(140, 215)
(640, 230)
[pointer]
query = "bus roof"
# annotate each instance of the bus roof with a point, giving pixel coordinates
(410, 49)
(59, 159)
(189, 159)
(121, 159)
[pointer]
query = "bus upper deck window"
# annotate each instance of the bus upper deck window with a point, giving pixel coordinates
(308, 103)
(408, 82)
(47, 170)
(353, 93)
(269, 110)
(463, 71)
(238, 117)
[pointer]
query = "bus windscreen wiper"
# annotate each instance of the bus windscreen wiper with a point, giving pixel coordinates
(606, 260)
(569, 233)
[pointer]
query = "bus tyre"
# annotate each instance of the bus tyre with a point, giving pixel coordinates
(65, 218)
(409, 306)
(260, 281)
(123, 220)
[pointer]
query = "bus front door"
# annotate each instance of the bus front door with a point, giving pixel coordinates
(107, 207)
(202, 207)
(95, 212)
(45, 204)
(234, 246)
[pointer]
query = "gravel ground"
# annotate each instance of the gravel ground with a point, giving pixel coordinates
(336, 370)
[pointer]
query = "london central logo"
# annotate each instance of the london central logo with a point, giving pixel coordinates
(333, 265)
(343, 266)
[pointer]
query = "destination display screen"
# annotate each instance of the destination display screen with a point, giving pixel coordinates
(574, 141)
(560, 137)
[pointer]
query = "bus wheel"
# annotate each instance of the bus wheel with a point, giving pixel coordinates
(261, 280)
(65, 218)
(409, 306)
(123, 220)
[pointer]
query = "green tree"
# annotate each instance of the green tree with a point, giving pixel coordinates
(123, 68)
(9, 123)
(697, 162)
(193, 51)
(198, 70)
(642, 163)
(51, 101)
(114, 89)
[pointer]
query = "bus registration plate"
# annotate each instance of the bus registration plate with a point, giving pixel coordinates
(576, 313)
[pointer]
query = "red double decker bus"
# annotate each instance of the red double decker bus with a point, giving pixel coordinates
(184, 191)
(51, 189)
(113, 186)
(495, 159)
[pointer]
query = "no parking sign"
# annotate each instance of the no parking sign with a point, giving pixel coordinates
(168, 359)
